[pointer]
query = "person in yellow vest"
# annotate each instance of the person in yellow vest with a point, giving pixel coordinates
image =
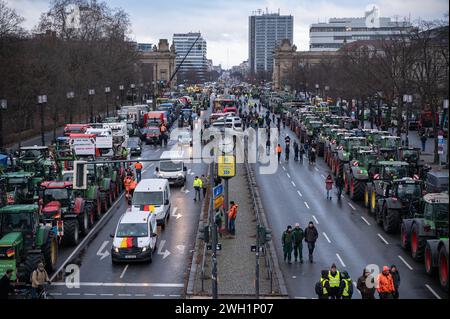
(198, 184)
(323, 286)
(335, 282)
(346, 289)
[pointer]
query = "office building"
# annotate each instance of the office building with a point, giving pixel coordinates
(196, 61)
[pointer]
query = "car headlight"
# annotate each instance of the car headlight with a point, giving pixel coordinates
(116, 249)
(144, 249)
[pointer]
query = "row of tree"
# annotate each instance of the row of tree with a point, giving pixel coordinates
(65, 52)
(382, 72)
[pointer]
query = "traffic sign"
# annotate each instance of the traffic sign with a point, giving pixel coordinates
(226, 166)
(218, 190)
(218, 202)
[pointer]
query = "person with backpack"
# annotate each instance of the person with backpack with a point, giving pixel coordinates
(286, 240)
(346, 288)
(323, 286)
(396, 278)
(38, 278)
(296, 151)
(297, 238)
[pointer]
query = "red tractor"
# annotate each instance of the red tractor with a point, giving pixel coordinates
(69, 215)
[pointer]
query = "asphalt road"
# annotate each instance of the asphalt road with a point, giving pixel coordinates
(348, 236)
(165, 277)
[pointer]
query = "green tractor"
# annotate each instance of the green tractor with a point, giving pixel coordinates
(382, 171)
(20, 187)
(396, 202)
(24, 242)
(37, 159)
(388, 147)
(425, 234)
(330, 144)
(323, 138)
(99, 175)
(342, 155)
(356, 172)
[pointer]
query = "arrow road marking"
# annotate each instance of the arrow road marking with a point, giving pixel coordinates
(189, 171)
(174, 213)
(123, 272)
(105, 253)
(326, 237)
(404, 261)
(385, 241)
(184, 190)
(340, 259)
(166, 252)
(426, 285)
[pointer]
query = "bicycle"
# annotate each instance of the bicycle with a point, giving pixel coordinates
(25, 293)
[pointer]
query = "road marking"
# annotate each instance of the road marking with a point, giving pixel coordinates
(75, 251)
(326, 237)
(350, 204)
(299, 194)
(356, 286)
(123, 284)
(404, 261)
(157, 295)
(340, 259)
(283, 167)
(293, 184)
(306, 204)
(151, 164)
(73, 294)
(124, 295)
(322, 176)
(432, 291)
(106, 294)
(160, 252)
(174, 295)
(315, 219)
(174, 213)
(89, 294)
(157, 150)
(294, 277)
(316, 168)
(300, 297)
(140, 295)
(365, 220)
(385, 241)
(288, 175)
(102, 253)
(123, 272)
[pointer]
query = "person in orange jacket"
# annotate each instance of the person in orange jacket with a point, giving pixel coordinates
(279, 150)
(232, 214)
(385, 282)
(129, 184)
(138, 168)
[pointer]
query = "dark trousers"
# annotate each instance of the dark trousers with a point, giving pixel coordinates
(298, 251)
(386, 295)
(395, 294)
(138, 175)
(204, 192)
(334, 293)
(197, 192)
(311, 247)
(232, 226)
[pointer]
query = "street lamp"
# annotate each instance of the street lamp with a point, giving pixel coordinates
(3, 106)
(132, 86)
(121, 88)
(91, 104)
(327, 88)
(107, 91)
(408, 99)
(141, 86)
(70, 96)
(317, 89)
(42, 100)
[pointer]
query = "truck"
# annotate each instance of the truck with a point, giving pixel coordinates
(172, 167)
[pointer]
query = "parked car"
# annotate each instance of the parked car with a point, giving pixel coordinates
(135, 146)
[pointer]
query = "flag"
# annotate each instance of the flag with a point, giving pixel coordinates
(127, 242)
(149, 208)
(10, 252)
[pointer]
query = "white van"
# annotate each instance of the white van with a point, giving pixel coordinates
(173, 170)
(153, 195)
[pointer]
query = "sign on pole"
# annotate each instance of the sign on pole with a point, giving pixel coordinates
(226, 166)
(440, 145)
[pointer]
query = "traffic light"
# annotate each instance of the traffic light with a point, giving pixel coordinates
(264, 235)
(204, 233)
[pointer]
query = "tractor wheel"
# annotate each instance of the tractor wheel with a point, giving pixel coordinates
(357, 191)
(404, 238)
(71, 232)
(391, 220)
(443, 267)
(429, 269)
(83, 221)
(28, 266)
(417, 244)
(50, 251)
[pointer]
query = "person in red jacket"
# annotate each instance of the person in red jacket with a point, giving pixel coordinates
(385, 282)
(232, 214)
(329, 186)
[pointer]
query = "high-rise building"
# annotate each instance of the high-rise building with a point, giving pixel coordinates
(333, 35)
(196, 60)
(266, 31)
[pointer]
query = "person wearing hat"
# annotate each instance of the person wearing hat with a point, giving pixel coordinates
(38, 278)
(297, 238)
(396, 278)
(323, 286)
(311, 236)
(286, 240)
(385, 282)
(346, 288)
(335, 282)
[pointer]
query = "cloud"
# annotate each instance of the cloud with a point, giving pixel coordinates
(30, 10)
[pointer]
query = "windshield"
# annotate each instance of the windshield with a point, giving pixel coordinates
(169, 166)
(409, 190)
(30, 153)
(147, 198)
(15, 222)
(56, 194)
(391, 142)
(14, 181)
(132, 230)
(395, 172)
(133, 142)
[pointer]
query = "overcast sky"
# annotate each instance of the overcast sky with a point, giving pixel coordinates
(224, 23)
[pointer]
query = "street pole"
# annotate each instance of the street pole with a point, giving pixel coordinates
(257, 262)
(132, 93)
(107, 91)
(70, 96)
(3, 106)
(214, 234)
(121, 88)
(91, 104)
(42, 99)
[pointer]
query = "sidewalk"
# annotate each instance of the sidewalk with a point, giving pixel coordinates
(235, 262)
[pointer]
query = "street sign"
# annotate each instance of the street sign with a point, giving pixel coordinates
(226, 166)
(440, 145)
(218, 202)
(218, 190)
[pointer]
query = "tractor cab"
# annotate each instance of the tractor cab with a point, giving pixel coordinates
(405, 189)
(433, 208)
(388, 147)
(19, 187)
(390, 170)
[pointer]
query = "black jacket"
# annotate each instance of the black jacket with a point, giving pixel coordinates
(5, 287)
(311, 234)
(366, 292)
(396, 278)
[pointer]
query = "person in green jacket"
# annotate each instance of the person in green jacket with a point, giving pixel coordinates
(286, 240)
(297, 239)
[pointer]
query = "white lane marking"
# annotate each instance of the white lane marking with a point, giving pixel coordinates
(89, 294)
(315, 219)
(123, 284)
(288, 175)
(151, 164)
(174, 295)
(323, 176)
(306, 204)
(340, 259)
(316, 168)
(283, 167)
(73, 294)
(382, 238)
(92, 231)
(350, 204)
(299, 194)
(106, 294)
(293, 184)
(124, 295)
(157, 150)
(140, 295)
(432, 291)
(404, 261)
(102, 253)
(300, 297)
(326, 237)
(157, 295)
(123, 272)
(365, 220)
